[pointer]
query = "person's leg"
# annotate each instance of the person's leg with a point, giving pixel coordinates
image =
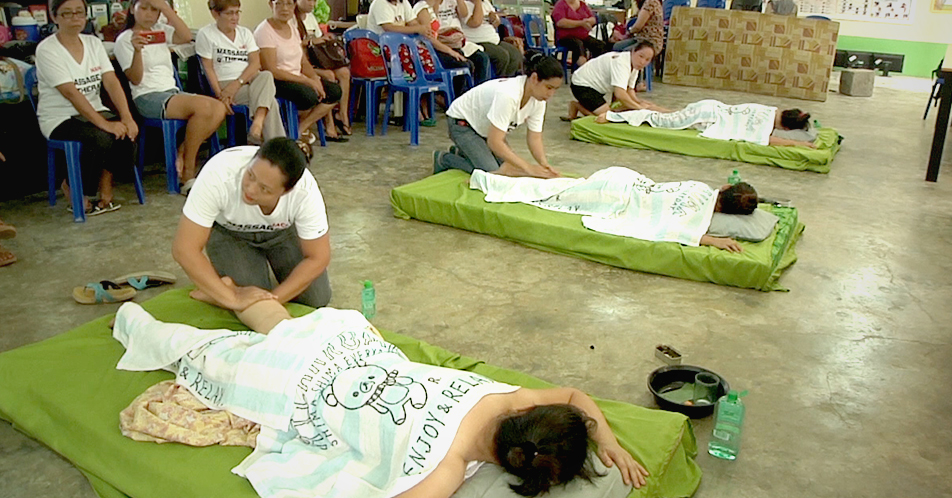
(97, 159)
(473, 151)
(590, 100)
(449, 62)
(515, 58)
(498, 57)
(305, 99)
(204, 115)
(284, 254)
(332, 97)
(576, 51)
(343, 79)
(594, 46)
(262, 102)
(233, 254)
(482, 64)
(622, 45)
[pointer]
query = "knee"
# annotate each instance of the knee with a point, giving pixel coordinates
(343, 74)
(211, 109)
(333, 93)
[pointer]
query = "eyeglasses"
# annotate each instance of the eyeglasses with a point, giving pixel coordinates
(230, 13)
(72, 14)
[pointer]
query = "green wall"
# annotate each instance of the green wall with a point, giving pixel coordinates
(921, 57)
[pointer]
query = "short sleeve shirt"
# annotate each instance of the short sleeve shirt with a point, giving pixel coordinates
(229, 57)
(384, 12)
(496, 103)
(216, 197)
(563, 11)
(653, 30)
(605, 72)
(287, 50)
(55, 66)
(448, 15)
(486, 32)
(157, 70)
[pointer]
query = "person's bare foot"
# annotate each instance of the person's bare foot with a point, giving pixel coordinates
(602, 118)
(256, 132)
(7, 257)
(180, 163)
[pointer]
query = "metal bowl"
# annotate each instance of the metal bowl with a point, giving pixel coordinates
(663, 379)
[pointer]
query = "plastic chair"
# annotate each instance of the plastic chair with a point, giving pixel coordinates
(936, 87)
(73, 152)
(289, 114)
(712, 4)
(230, 119)
(648, 72)
(370, 86)
(537, 40)
(399, 82)
(447, 75)
(507, 24)
(170, 129)
(669, 5)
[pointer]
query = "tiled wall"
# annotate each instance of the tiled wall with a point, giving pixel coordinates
(750, 52)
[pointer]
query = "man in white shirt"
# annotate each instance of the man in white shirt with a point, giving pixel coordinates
(241, 212)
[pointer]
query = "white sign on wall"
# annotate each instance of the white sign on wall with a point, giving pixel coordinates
(897, 11)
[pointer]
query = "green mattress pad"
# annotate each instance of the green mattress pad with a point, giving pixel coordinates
(66, 393)
(691, 143)
(446, 199)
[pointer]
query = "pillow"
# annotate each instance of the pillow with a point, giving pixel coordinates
(491, 481)
(754, 227)
(807, 135)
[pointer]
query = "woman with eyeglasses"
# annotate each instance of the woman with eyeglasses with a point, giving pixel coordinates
(294, 78)
(232, 64)
(142, 51)
(72, 68)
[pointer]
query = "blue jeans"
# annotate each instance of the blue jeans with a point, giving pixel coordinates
(622, 45)
(473, 151)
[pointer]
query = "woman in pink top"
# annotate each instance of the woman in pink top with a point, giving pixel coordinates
(573, 21)
(294, 77)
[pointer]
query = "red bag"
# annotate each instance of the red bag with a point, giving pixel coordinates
(366, 59)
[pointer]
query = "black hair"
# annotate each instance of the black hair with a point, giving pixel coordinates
(640, 4)
(56, 4)
(221, 5)
(794, 119)
(545, 446)
(545, 67)
(285, 154)
(131, 18)
(642, 44)
(739, 198)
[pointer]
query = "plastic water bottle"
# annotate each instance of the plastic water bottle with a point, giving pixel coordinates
(728, 423)
(368, 300)
(734, 178)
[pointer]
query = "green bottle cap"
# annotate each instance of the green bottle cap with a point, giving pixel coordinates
(735, 171)
(368, 284)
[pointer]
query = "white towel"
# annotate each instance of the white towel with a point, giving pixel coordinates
(717, 120)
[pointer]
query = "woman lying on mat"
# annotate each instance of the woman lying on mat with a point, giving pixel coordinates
(254, 210)
(345, 413)
(755, 123)
(480, 119)
(611, 76)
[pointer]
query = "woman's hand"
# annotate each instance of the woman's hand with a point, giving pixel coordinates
(132, 129)
(115, 128)
(632, 472)
(458, 56)
(318, 87)
(138, 42)
(726, 243)
(227, 95)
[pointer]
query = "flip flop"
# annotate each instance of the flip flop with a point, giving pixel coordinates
(7, 231)
(566, 119)
(144, 279)
(102, 292)
(7, 257)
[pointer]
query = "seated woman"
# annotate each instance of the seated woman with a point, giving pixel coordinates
(310, 31)
(608, 77)
(72, 68)
(480, 120)
(573, 21)
(142, 51)
(254, 211)
(230, 58)
(623, 202)
(445, 18)
(648, 25)
(450, 58)
(480, 25)
(755, 123)
(294, 77)
(344, 412)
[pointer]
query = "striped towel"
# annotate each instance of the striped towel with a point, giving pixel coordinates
(343, 413)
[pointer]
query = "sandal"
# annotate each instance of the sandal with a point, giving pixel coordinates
(338, 138)
(186, 187)
(305, 148)
(345, 129)
(102, 292)
(566, 119)
(7, 257)
(308, 136)
(144, 279)
(103, 208)
(7, 231)
(428, 122)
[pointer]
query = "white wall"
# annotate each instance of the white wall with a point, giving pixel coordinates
(195, 12)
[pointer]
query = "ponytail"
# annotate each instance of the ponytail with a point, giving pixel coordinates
(543, 66)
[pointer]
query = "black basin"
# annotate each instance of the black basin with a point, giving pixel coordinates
(666, 376)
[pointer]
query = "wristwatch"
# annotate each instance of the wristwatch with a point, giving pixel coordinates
(241, 81)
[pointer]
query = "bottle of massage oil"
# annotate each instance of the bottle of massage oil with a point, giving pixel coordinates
(728, 424)
(368, 300)
(734, 178)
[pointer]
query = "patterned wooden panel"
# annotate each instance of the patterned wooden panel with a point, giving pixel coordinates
(751, 52)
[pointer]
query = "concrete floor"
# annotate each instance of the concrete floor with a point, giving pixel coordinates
(849, 378)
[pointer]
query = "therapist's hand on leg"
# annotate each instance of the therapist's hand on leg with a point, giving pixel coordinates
(243, 297)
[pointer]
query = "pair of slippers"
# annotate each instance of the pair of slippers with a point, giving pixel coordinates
(121, 288)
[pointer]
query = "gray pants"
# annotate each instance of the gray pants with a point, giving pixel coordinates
(260, 93)
(247, 256)
(505, 57)
(472, 150)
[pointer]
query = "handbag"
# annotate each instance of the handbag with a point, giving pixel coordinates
(367, 59)
(11, 80)
(328, 55)
(452, 37)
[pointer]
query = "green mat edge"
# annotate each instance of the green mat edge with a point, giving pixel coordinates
(661, 140)
(680, 460)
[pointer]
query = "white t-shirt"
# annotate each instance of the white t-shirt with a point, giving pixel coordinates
(157, 70)
(496, 103)
(230, 58)
(55, 66)
(217, 197)
(486, 32)
(447, 15)
(605, 72)
(311, 26)
(384, 12)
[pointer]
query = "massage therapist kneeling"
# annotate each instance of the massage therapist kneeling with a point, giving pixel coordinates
(253, 209)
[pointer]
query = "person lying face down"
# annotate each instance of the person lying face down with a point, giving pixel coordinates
(740, 198)
(541, 436)
(754, 123)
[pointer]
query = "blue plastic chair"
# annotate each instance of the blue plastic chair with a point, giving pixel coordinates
(170, 129)
(73, 152)
(537, 40)
(289, 114)
(241, 111)
(648, 71)
(444, 74)
(370, 86)
(712, 4)
(400, 82)
(669, 6)
(506, 23)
